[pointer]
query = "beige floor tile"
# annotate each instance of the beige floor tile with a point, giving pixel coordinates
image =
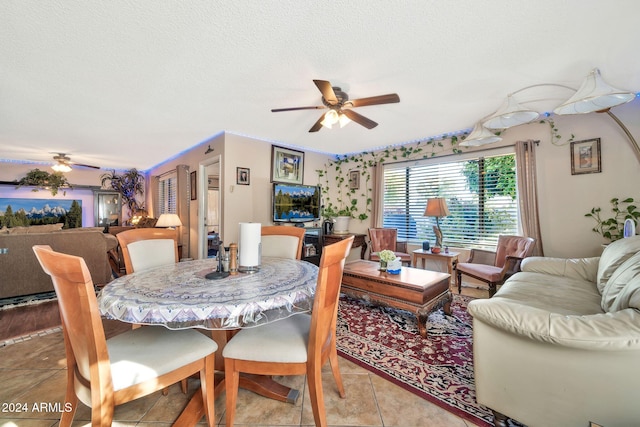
(358, 408)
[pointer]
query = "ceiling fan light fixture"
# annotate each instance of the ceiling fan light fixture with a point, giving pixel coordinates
(480, 135)
(594, 95)
(330, 119)
(61, 167)
(344, 120)
(510, 114)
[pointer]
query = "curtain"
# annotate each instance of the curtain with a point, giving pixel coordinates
(377, 195)
(528, 192)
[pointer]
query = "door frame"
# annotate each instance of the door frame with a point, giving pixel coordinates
(203, 186)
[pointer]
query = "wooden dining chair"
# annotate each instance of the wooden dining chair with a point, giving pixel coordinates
(282, 242)
(144, 248)
(105, 373)
(297, 345)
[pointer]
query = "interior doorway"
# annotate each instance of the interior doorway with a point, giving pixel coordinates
(210, 208)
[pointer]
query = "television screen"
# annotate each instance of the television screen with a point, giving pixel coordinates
(295, 203)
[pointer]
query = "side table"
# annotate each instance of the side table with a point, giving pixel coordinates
(358, 241)
(421, 256)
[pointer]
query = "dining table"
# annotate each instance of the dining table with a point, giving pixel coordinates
(190, 294)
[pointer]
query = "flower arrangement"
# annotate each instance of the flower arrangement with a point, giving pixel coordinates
(387, 255)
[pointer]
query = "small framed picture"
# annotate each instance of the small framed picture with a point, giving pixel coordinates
(193, 183)
(286, 165)
(242, 176)
(354, 179)
(585, 156)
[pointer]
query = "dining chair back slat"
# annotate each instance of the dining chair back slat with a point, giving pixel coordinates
(144, 248)
(282, 241)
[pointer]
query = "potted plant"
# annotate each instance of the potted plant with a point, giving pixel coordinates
(42, 180)
(612, 228)
(129, 184)
(339, 217)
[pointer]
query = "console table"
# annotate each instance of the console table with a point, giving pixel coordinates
(358, 241)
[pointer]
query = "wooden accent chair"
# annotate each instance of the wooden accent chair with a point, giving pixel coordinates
(104, 373)
(297, 345)
(282, 241)
(144, 248)
(493, 268)
(387, 238)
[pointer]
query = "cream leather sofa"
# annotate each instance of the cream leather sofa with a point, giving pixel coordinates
(559, 343)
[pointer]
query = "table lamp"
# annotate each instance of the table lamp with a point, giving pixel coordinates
(437, 207)
(169, 221)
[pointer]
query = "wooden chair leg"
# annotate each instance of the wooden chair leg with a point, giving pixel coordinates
(333, 361)
(459, 274)
(70, 397)
(232, 382)
(207, 386)
(316, 396)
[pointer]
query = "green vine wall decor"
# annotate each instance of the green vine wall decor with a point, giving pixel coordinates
(341, 200)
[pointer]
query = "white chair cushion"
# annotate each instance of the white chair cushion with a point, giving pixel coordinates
(280, 246)
(148, 352)
(146, 254)
(284, 341)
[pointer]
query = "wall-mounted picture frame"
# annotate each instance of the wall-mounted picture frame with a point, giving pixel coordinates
(586, 157)
(193, 185)
(287, 165)
(354, 179)
(242, 176)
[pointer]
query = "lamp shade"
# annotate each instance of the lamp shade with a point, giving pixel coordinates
(168, 220)
(480, 135)
(510, 114)
(594, 95)
(436, 207)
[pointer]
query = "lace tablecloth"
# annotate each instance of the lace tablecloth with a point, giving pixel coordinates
(179, 296)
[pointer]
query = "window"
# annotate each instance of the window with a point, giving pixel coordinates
(168, 194)
(480, 194)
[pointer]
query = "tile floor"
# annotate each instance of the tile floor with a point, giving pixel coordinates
(33, 378)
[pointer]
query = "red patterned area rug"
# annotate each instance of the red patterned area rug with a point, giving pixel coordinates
(438, 368)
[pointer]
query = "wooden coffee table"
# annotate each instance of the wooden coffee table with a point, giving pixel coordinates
(419, 291)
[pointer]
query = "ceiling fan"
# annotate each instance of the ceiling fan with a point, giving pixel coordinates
(340, 107)
(64, 163)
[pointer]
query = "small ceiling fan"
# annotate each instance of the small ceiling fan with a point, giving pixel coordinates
(340, 107)
(64, 163)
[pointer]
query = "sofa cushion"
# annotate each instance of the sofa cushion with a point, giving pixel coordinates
(622, 288)
(44, 228)
(613, 256)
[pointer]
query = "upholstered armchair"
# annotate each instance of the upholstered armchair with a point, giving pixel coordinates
(387, 238)
(493, 268)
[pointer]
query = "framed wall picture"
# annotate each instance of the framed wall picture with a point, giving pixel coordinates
(193, 185)
(585, 156)
(354, 179)
(287, 165)
(242, 176)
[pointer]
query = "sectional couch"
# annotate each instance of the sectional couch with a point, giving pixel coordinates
(559, 343)
(21, 273)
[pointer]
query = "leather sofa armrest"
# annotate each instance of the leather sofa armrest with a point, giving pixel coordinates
(602, 331)
(577, 268)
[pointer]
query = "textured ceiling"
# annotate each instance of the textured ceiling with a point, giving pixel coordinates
(131, 83)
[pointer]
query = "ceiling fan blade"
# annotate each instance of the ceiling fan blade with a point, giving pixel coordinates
(359, 118)
(327, 91)
(375, 100)
(317, 107)
(317, 125)
(84, 166)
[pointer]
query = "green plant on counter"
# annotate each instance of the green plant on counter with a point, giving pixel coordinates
(613, 228)
(42, 180)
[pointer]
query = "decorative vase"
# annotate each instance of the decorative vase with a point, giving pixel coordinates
(383, 265)
(341, 225)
